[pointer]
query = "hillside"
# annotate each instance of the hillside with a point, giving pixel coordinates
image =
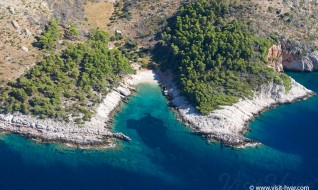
(67, 84)
(293, 21)
(20, 21)
(60, 59)
(215, 58)
(289, 19)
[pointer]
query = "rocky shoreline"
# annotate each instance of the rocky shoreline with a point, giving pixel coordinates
(95, 133)
(293, 57)
(229, 124)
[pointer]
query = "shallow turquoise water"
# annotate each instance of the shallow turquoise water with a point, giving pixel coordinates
(164, 154)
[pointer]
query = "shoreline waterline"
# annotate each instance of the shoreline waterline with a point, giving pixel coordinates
(165, 154)
(95, 133)
(229, 124)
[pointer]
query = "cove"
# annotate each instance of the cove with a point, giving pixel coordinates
(164, 154)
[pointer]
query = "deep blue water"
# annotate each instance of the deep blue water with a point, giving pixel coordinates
(163, 154)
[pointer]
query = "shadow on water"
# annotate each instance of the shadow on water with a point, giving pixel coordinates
(152, 132)
(177, 160)
(16, 174)
(163, 154)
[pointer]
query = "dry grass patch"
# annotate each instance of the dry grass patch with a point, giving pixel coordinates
(98, 14)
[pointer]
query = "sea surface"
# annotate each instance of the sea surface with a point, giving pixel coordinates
(164, 154)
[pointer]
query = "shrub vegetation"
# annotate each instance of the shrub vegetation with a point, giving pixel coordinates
(215, 58)
(67, 83)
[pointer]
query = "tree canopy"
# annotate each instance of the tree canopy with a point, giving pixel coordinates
(215, 58)
(67, 83)
(50, 36)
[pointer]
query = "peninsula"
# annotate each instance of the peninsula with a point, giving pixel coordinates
(218, 72)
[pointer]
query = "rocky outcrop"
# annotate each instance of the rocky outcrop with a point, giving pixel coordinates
(275, 58)
(297, 56)
(94, 133)
(308, 62)
(292, 56)
(67, 11)
(229, 123)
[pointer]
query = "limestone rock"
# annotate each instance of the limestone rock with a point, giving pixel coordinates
(314, 59)
(25, 49)
(94, 133)
(15, 24)
(228, 124)
(27, 32)
(11, 10)
(298, 56)
(275, 58)
(305, 63)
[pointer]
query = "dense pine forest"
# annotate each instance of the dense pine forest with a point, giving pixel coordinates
(68, 83)
(216, 59)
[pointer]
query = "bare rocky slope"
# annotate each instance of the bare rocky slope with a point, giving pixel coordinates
(23, 20)
(293, 22)
(20, 21)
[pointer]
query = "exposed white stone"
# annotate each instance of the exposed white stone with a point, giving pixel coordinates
(229, 123)
(25, 49)
(94, 132)
(27, 32)
(119, 32)
(15, 24)
(11, 10)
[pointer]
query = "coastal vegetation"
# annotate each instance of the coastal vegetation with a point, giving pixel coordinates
(49, 38)
(216, 59)
(67, 84)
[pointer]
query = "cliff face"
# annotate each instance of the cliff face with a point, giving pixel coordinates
(229, 123)
(288, 57)
(308, 62)
(275, 58)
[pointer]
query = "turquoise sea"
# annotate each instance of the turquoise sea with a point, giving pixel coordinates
(164, 154)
